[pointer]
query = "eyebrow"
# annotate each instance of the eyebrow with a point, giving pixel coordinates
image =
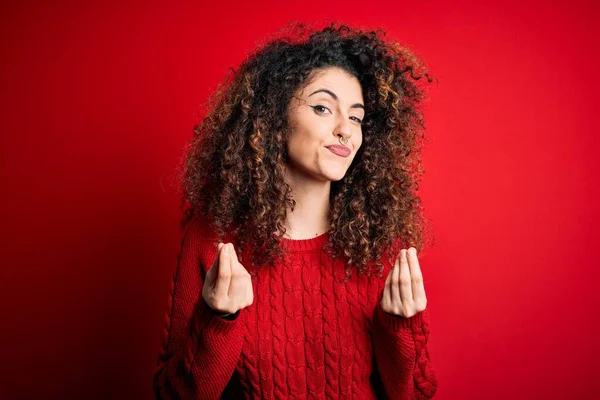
(329, 92)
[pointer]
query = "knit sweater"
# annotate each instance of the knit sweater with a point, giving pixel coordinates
(307, 334)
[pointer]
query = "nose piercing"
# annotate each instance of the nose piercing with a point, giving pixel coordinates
(342, 140)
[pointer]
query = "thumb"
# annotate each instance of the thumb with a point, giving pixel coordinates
(213, 272)
(388, 282)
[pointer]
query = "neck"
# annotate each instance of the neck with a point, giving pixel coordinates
(310, 217)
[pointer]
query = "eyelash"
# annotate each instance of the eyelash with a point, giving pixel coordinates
(358, 120)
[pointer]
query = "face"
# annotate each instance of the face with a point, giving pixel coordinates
(330, 107)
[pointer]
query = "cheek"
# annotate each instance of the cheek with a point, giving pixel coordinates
(359, 141)
(307, 137)
(297, 146)
(314, 127)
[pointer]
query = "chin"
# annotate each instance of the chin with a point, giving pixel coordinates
(335, 176)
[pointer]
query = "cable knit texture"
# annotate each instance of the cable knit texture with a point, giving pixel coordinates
(308, 335)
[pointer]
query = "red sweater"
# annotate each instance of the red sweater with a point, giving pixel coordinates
(306, 336)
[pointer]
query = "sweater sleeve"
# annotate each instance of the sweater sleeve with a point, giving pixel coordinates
(199, 350)
(400, 350)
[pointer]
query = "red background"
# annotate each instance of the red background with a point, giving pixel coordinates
(98, 100)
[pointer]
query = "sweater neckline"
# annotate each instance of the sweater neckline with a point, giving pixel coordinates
(314, 243)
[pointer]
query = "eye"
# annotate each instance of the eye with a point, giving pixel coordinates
(357, 119)
(319, 109)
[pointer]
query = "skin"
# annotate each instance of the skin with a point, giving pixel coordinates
(318, 120)
(404, 292)
(228, 286)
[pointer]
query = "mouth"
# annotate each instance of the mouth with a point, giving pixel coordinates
(341, 151)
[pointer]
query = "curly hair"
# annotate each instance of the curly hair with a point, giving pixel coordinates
(233, 169)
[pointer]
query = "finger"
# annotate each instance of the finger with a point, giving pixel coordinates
(251, 292)
(231, 265)
(216, 261)
(387, 291)
(224, 273)
(405, 286)
(240, 291)
(236, 266)
(395, 288)
(418, 288)
(233, 253)
(211, 274)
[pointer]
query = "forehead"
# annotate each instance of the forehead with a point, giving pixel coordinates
(344, 85)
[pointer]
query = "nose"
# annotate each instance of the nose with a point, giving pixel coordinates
(344, 130)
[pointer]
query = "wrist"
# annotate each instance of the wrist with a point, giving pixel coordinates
(229, 316)
(224, 315)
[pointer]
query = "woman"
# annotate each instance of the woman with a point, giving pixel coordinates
(298, 274)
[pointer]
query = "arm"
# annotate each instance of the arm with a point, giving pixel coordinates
(200, 349)
(400, 349)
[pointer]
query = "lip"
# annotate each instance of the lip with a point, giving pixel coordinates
(341, 151)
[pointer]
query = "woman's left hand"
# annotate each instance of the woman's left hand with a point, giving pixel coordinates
(404, 294)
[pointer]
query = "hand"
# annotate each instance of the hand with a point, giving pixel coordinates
(228, 286)
(404, 294)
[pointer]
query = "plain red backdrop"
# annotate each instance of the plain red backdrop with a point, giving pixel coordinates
(99, 98)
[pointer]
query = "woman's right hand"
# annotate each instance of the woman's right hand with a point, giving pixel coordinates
(228, 286)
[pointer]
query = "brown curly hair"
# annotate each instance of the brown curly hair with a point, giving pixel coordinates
(233, 170)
